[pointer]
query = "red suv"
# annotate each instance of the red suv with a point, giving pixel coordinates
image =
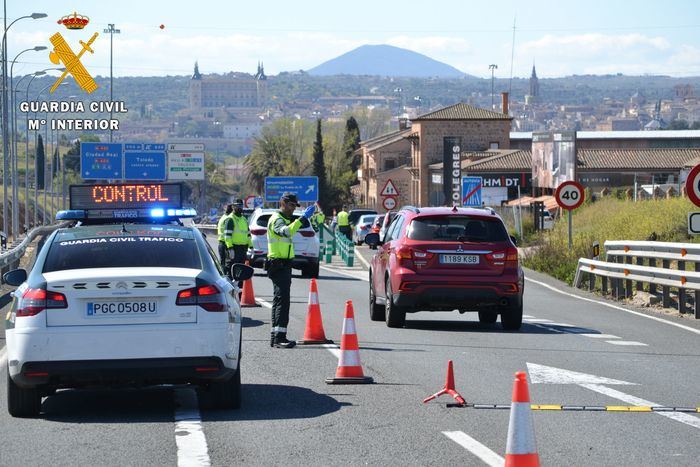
(441, 259)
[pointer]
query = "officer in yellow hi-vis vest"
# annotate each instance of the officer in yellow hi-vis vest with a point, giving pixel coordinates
(225, 232)
(280, 253)
(344, 223)
(318, 219)
(240, 238)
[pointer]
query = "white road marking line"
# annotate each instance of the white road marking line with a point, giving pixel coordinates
(601, 336)
(538, 320)
(629, 399)
(191, 444)
(627, 343)
(362, 260)
(3, 358)
(479, 450)
(563, 325)
(264, 303)
(332, 348)
(528, 316)
(346, 274)
(671, 323)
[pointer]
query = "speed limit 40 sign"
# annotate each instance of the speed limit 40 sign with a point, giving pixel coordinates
(692, 185)
(569, 195)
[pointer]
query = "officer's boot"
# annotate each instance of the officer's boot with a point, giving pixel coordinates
(281, 341)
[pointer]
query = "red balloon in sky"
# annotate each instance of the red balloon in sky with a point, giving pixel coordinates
(162, 26)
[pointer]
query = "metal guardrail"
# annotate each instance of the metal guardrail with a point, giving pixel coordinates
(625, 270)
(13, 255)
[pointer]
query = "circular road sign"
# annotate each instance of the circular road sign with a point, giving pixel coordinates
(569, 195)
(249, 202)
(692, 185)
(389, 203)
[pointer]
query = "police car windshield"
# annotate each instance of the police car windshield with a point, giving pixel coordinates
(109, 247)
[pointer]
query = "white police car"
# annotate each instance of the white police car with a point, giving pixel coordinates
(141, 302)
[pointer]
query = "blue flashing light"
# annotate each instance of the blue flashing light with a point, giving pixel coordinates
(158, 212)
(71, 215)
(171, 212)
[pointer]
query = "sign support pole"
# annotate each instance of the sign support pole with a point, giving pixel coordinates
(570, 230)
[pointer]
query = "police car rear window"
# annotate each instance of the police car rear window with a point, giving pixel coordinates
(78, 251)
(457, 228)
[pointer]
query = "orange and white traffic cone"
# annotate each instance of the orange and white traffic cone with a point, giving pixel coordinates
(449, 387)
(248, 296)
(314, 333)
(521, 450)
(349, 367)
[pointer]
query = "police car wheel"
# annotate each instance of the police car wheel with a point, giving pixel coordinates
(226, 394)
(22, 402)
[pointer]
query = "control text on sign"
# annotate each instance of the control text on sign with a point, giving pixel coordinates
(125, 196)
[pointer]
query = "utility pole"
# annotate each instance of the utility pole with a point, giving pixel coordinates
(111, 31)
(493, 68)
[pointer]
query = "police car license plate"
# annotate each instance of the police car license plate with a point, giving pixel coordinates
(122, 308)
(459, 259)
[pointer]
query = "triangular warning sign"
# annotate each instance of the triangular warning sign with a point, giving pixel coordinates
(389, 189)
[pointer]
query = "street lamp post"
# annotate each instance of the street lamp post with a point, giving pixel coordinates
(493, 68)
(26, 165)
(5, 132)
(36, 166)
(111, 31)
(13, 142)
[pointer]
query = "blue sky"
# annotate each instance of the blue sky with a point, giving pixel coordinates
(564, 38)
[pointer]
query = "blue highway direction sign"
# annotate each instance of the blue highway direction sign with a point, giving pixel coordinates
(471, 191)
(306, 188)
(101, 161)
(144, 161)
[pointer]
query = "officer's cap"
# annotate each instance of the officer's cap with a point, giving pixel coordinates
(238, 203)
(289, 198)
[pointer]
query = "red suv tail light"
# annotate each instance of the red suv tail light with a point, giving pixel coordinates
(34, 301)
(258, 231)
(208, 297)
(409, 257)
(508, 258)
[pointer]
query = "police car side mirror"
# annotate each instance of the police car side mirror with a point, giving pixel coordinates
(372, 239)
(241, 272)
(15, 277)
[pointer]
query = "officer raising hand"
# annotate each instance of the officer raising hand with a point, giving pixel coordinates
(280, 253)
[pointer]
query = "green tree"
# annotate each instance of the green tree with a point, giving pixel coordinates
(40, 159)
(351, 142)
(319, 166)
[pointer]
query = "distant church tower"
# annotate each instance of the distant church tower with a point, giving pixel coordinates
(534, 84)
(196, 88)
(261, 84)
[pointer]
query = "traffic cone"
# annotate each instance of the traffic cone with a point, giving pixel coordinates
(449, 387)
(314, 333)
(248, 296)
(520, 449)
(349, 367)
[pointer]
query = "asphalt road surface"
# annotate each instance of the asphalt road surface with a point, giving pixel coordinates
(577, 350)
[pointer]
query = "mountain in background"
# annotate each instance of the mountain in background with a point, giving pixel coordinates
(385, 60)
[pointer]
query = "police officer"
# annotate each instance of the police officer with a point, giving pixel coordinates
(344, 223)
(280, 252)
(225, 231)
(240, 238)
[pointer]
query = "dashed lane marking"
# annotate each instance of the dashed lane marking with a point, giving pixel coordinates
(191, 444)
(479, 450)
(670, 323)
(599, 336)
(630, 343)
